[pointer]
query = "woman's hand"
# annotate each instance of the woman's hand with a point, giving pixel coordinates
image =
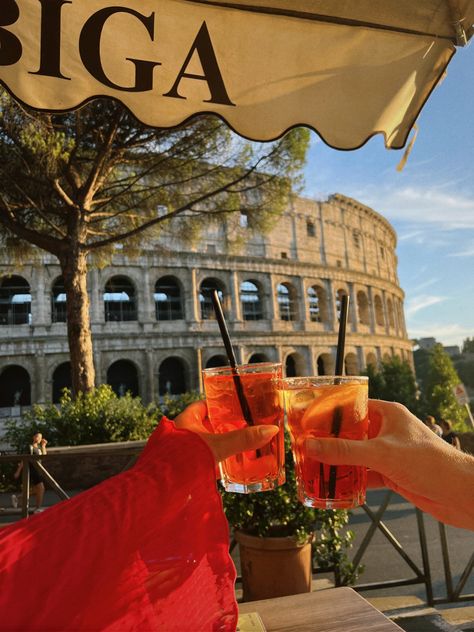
(406, 456)
(195, 418)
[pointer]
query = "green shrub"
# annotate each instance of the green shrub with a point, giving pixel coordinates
(98, 416)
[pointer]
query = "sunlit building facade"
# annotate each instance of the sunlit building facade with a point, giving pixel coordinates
(152, 318)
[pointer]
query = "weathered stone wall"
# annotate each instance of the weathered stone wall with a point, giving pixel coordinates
(335, 245)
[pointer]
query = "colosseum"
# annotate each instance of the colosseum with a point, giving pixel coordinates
(152, 319)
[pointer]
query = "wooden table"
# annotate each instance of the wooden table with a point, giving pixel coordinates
(332, 610)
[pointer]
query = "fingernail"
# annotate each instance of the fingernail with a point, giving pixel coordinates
(268, 431)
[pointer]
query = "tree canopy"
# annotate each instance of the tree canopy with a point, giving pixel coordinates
(438, 377)
(394, 381)
(76, 184)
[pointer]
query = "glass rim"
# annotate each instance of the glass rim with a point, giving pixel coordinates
(253, 367)
(326, 380)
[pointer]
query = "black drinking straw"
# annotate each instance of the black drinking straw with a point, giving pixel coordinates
(337, 416)
(244, 405)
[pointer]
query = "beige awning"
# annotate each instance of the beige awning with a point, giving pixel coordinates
(348, 68)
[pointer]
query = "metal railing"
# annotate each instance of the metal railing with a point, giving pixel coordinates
(133, 448)
(125, 448)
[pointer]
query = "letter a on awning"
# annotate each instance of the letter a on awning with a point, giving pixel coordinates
(349, 69)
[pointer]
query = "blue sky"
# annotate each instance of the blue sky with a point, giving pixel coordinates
(430, 203)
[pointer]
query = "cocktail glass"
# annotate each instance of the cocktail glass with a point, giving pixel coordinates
(256, 470)
(327, 406)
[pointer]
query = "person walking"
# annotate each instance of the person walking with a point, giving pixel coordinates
(37, 446)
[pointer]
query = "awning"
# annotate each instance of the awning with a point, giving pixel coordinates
(349, 69)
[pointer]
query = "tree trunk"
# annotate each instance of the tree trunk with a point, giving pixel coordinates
(74, 269)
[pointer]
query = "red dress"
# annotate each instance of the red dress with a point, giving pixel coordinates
(145, 550)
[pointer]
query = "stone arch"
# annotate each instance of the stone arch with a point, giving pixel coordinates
(217, 360)
(122, 375)
(325, 364)
(371, 359)
(15, 301)
(390, 312)
(251, 299)
(287, 299)
(351, 364)
(378, 307)
(294, 365)
(207, 286)
(173, 375)
(168, 296)
(120, 299)
(363, 308)
(258, 357)
(386, 357)
(61, 379)
(58, 301)
(318, 304)
(339, 294)
(15, 386)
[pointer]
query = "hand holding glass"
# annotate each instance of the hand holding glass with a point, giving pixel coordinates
(256, 470)
(327, 407)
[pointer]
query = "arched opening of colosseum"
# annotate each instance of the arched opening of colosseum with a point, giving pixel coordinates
(387, 357)
(258, 357)
(15, 301)
(325, 364)
(205, 300)
(120, 303)
(168, 299)
(217, 360)
(287, 302)
(317, 304)
(371, 360)
(172, 377)
(363, 308)
(351, 364)
(15, 387)
(122, 376)
(58, 301)
(61, 379)
(339, 295)
(379, 319)
(251, 299)
(294, 365)
(391, 316)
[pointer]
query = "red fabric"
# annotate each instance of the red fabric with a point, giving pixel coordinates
(145, 550)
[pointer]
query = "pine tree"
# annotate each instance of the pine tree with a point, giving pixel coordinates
(76, 184)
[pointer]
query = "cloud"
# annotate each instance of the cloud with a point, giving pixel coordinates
(424, 285)
(422, 301)
(467, 252)
(422, 205)
(446, 334)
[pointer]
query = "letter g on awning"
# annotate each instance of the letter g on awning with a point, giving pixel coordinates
(348, 69)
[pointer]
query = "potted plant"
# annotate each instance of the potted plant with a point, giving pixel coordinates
(277, 541)
(274, 532)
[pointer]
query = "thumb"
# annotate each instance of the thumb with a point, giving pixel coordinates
(236, 441)
(341, 451)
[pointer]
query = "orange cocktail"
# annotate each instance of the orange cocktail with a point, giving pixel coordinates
(256, 470)
(327, 407)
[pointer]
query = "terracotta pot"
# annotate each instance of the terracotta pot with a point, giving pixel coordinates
(273, 567)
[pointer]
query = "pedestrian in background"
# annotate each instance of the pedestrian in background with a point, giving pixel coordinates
(430, 421)
(37, 446)
(448, 433)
